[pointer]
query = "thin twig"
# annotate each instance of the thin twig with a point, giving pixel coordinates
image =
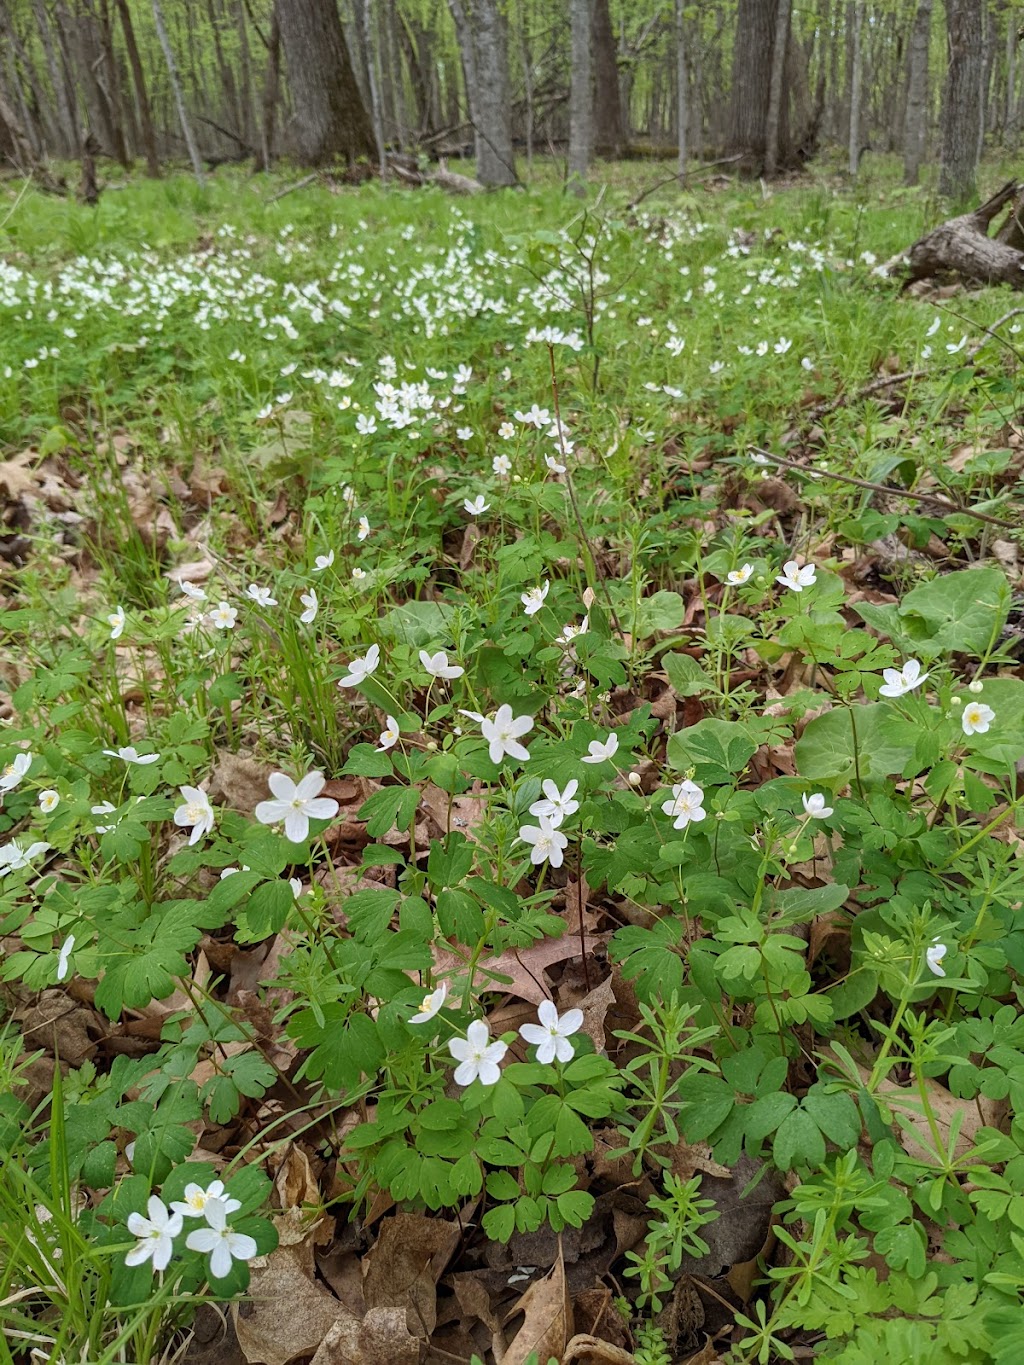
(299, 185)
(883, 488)
(875, 386)
(674, 179)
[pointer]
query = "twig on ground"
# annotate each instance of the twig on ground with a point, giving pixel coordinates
(299, 185)
(942, 502)
(875, 386)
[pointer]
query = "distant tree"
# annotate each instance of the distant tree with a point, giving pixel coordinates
(758, 22)
(581, 95)
(179, 94)
(962, 100)
(915, 124)
(773, 115)
(856, 86)
(330, 117)
(609, 130)
(483, 43)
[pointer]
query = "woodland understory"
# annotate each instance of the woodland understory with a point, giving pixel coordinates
(512, 721)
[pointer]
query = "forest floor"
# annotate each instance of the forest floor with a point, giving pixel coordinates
(511, 779)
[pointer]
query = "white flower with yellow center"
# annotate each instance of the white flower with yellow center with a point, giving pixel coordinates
(977, 718)
(116, 621)
(196, 812)
(196, 1198)
(533, 598)
(13, 772)
(738, 576)
(430, 1004)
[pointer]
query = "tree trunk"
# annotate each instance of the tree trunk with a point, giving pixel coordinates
(179, 98)
(467, 52)
(963, 246)
(369, 36)
(856, 76)
(581, 96)
(330, 117)
(915, 126)
(526, 57)
(753, 49)
(961, 100)
(682, 93)
(270, 94)
(495, 159)
(782, 22)
(65, 108)
(609, 136)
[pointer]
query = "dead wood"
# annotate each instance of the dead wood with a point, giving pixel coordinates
(961, 246)
(406, 169)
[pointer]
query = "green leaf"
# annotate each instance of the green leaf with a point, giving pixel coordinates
(390, 808)
(960, 612)
(685, 674)
(368, 913)
(825, 751)
(798, 1142)
(417, 623)
(663, 611)
(500, 1223)
(266, 911)
(714, 748)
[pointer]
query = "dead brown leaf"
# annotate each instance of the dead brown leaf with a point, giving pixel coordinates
(288, 1315)
(525, 966)
(402, 1268)
(548, 1324)
(588, 1350)
(381, 1338)
(239, 781)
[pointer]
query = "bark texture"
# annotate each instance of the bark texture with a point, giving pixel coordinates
(757, 23)
(330, 117)
(915, 124)
(609, 134)
(775, 87)
(581, 96)
(961, 100)
(963, 247)
(495, 160)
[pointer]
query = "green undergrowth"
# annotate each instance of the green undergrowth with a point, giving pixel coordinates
(406, 589)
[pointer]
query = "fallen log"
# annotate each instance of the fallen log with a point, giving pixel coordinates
(962, 246)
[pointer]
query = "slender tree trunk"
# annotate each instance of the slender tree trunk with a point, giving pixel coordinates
(179, 98)
(330, 117)
(581, 96)
(682, 93)
(65, 109)
(609, 135)
(526, 56)
(856, 76)
(495, 161)
(365, 18)
(961, 100)
(695, 88)
(271, 90)
(1011, 78)
(915, 126)
(771, 154)
(467, 53)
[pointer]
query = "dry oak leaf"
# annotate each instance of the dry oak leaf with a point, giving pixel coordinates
(524, 965)
(587, 1350)
(239, 781)
(548, 1325)
(381, 1338)
(402, 1268)
(289, 1314)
